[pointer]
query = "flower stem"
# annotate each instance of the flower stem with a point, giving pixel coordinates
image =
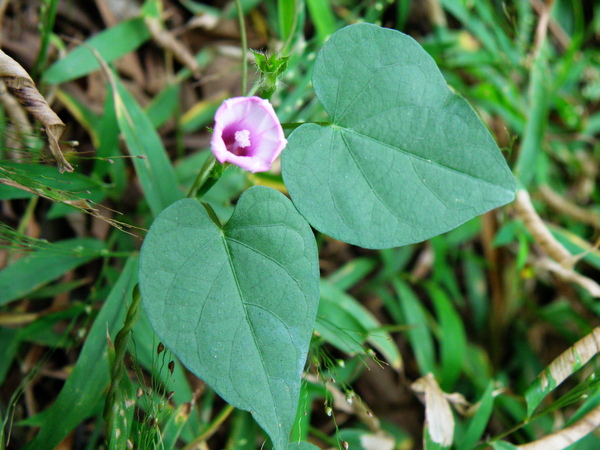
(209, 174)
(238, 5)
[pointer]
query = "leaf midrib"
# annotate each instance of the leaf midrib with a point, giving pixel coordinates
(250, 326)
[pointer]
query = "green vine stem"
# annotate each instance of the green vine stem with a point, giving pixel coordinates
(209, 174)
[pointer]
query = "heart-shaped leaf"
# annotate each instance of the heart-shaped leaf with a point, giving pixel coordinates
(237, 304)
(404, 158)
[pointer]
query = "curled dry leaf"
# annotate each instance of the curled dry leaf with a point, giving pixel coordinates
(20, 84)
(18, 116)
(438, 414)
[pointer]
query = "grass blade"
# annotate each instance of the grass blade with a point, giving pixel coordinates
(452, 339)
(479, 422)
(152, 164)
(359, 325)
(111, 44)
(419, 335)
(322, 16)
(83, 391)
(29, 273)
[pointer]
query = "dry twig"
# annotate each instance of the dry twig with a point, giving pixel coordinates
(169, 43)
(562, 262)
(540, 232)
(563, 38)
(563, 206)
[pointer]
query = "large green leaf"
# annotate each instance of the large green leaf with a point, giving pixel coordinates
(237, 303)
(404, 158)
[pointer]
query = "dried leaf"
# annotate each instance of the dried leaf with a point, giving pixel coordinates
(569, 362)
(567, 436)
(377, 441)
(572, 359)
(562, 260)
(18, 116)
(20, 84)
(438, 414)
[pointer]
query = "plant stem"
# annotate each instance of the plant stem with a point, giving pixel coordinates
(209, 174)
(212, 427)
(49, 10)
(238, 5)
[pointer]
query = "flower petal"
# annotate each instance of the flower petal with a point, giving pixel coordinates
(257, 118)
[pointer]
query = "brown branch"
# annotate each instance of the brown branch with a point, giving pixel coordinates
(563, 38)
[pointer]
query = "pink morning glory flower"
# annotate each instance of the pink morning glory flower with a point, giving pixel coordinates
(247, 133)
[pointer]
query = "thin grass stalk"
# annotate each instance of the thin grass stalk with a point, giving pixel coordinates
(240, 11)
(117, 370)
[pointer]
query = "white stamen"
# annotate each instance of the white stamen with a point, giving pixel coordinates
(242, 138)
